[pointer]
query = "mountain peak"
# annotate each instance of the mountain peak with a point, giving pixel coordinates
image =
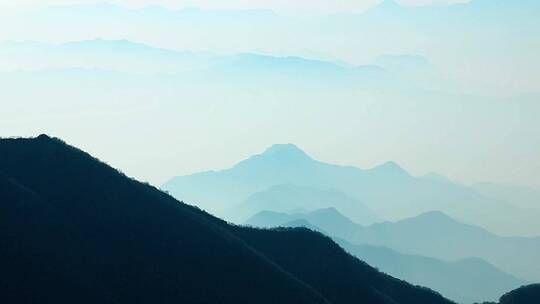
(436, 177)
(435, 215)
(328, 211)
(391, 167)
(388, 5)
(285, 151)
(330, 215)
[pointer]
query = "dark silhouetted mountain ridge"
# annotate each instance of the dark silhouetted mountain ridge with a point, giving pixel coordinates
(76, 230)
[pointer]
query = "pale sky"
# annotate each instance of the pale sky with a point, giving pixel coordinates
(280, 6)
(474, 119)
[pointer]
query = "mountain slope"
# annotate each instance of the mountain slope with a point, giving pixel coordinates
(465, 281)
(120, 241)
(328, 220)
(339, 276)
(76, 230)
(529, 294)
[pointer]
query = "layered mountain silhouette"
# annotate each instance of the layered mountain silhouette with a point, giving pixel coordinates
(465, 280)
(328, 220)
(113, 55)
(123, 56)
(388, 190)
(290, 198)
(523, 197)
(75, 230)
(432, 234)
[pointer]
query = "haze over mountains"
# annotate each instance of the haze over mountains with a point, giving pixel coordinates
(432, 234)
(388, 190)
(284, 186)
(410, 173)
(520, 196)
(291, 198)
(464, 280)
(119, 81)
(123, 56)
(410, 28)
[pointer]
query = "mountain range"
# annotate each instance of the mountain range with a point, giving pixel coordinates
(465, 280)
(523, 197)
(388, 190)
(123, 56)
(431, 234)
(107, 79)
(225, 30)
(291, 198)
(76, 230)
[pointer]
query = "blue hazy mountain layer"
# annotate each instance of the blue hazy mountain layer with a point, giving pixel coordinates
(388, 190)
(523, 197)
(464, 280)
(432, 234)
(290, 198)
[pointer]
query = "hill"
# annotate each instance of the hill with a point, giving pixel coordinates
(522, 295)
(529, 294)
(76, 230)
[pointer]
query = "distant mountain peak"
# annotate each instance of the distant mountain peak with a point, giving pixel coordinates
(329, 211)
(436, 177)
(388, 4)
(436, 216)
(285, 151)
(391, 167)
(331, 214)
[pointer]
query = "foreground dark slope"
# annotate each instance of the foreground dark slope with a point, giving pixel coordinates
(75, 230)
(529, 294)
(339, 276)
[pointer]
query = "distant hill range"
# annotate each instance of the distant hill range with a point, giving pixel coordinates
(465, 280)
(74, 230)
(290, 198)
(523, 197)
(386, 191)
(431, 234)
(130, 58)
